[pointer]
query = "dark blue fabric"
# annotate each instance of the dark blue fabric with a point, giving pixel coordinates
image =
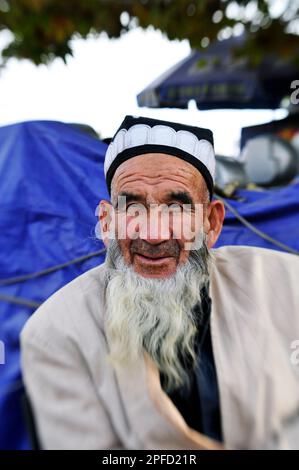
(208, 389)
(199, 401)
(51, 182)
(209, 77)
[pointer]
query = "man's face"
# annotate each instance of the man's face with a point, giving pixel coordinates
(154, 278)
(165, 206)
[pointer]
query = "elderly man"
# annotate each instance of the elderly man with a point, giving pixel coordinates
(170, 344)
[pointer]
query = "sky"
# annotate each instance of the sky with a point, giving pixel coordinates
(99, 84)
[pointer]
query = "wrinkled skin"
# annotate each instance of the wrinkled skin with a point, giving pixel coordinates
(160, 179)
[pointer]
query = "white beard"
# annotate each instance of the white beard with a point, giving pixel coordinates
(155, 314)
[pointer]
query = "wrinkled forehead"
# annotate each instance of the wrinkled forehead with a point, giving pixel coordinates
(157, 174)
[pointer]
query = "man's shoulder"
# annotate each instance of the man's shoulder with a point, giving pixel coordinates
(257, 280)
(257, 270)
(247, 256)
(74, 303)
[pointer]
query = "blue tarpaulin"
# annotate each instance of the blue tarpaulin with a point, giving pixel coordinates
(51, 182)
(274, 211)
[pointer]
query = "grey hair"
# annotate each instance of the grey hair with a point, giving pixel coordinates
(112, 190)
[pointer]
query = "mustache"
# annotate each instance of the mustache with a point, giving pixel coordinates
(166, 248)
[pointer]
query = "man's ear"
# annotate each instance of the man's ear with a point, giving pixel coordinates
(214, 221)
(105, 218)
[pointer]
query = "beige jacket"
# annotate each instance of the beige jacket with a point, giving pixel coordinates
(80, 402)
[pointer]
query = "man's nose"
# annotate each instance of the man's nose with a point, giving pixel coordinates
(157, 228)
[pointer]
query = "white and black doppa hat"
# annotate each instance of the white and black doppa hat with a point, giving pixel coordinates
(141, 135)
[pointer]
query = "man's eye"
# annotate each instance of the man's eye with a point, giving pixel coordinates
(175, 207)
(134, 207)
(180, 208)
(126, 207)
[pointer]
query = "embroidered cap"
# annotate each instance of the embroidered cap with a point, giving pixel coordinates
(141, 135)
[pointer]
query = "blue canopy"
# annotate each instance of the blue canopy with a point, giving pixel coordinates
(51, 182)
(215, 79)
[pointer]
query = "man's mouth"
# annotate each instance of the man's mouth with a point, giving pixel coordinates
(158, 260)
(145, 259)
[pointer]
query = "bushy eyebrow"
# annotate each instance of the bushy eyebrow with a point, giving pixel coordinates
(181, 196)
(129, 197)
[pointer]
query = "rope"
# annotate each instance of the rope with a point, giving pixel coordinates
(19, 301)
(44, 272)
(255, 230)
(31, 303)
